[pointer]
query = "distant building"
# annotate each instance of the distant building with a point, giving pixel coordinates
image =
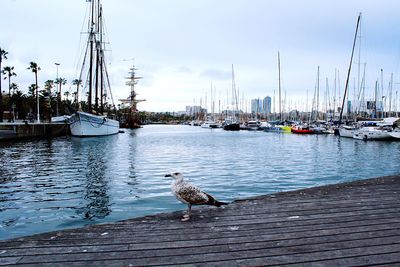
(267, 105)
(193, 110)
(349, 107)
(256, 106)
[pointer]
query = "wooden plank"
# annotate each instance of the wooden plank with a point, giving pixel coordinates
(249, 221)
(309, 244)
(353, 255)
(345, 224)
(9, 260)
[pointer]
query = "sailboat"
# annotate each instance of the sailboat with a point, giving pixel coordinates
(282, 125)
(348, 131)
(231, 123)
(92, 122)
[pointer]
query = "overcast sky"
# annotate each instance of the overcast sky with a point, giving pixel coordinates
(182, 46)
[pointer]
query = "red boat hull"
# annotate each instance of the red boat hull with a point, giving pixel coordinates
(302, 131)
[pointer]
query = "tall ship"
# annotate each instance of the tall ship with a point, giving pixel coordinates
(129, 116)
(94, 116)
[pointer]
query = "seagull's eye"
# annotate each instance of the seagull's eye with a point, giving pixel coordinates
(176, 173)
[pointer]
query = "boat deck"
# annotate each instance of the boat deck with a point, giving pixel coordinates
(348, 224)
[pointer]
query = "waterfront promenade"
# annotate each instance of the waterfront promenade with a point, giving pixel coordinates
(350, 224)
(24, 130)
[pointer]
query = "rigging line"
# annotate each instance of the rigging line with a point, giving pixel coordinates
(109, 85)
(80, 52)
(84, 61)
(106, 36)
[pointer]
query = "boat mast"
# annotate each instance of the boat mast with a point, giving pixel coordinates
(91, 37)
(317, 114)
(98, 48)
(376, 98)
(101, 61)
(279, 75)
(233, 95)
(348, 73)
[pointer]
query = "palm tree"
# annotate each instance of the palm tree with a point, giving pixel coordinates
(35, 68)
(67, 93)
(60, 81)
(18, 100)
(3, 55)
(78, 83)
(32, 91)
(14, 87)
(9, 71)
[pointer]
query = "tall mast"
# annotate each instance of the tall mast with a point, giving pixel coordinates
(98, 51)
(279, 74)
(334, 97)
(317, 115)
(348, 73)
(101, 61)
(390, 94)
(91, 36)
(233, 94)
(376, 98)
(382, 96)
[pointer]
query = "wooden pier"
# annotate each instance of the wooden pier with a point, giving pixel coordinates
(26, 130)
(350, 224)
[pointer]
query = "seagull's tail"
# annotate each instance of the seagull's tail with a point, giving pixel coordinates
(214, 202)
(219, 203)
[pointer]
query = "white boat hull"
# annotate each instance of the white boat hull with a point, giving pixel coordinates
(368, 133)
(345, 132)
(85, 124)
(395, 133)
(209, 125)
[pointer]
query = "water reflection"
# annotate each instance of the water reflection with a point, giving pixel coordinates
(93, 152)
(69, 182)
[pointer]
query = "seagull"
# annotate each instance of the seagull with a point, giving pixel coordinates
(190, 194)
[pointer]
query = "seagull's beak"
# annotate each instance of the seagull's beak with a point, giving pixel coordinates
(168, 175)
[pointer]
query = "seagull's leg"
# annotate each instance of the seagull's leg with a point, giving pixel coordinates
(187, 216)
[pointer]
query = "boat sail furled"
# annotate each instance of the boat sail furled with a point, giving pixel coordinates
(92, 122)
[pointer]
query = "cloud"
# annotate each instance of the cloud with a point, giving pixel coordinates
(213, 74)
(184, 69)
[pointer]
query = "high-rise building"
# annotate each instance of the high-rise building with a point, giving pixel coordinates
(349, 106)
(255, 106)
(267, 105)
(193, 110)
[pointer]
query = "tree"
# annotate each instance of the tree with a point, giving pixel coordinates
(67, 93)
(9, 71)
(60, 81)
(78, 83)
(18, 98)
(13, 87)
(3, 55)
(48, 85)
(32, 90)
(35, 68)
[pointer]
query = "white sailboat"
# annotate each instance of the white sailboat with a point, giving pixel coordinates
(84, 124)
(93, 122)
(377, 130)
(372, 133)
(395, 133)
(347, 131)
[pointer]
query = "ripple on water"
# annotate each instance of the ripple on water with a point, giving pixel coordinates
(71, 182)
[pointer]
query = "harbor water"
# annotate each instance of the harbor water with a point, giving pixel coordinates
(69, 182)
